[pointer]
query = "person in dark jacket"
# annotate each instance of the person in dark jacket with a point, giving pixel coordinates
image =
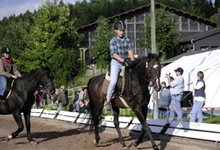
(62, 98)
(199, 99)
(82, 106)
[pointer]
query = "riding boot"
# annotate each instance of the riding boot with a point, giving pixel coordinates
(108, 105)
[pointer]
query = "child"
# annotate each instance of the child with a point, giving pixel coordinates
(82, 107)
(199, 98)
(120, 49)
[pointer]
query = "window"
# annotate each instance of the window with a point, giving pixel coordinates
(202, 27)
(210, 27)
(140, 18)
(185, 27)
(193, 26)
(204, 48)
(130, 19)
(138, 30)
(130, 31)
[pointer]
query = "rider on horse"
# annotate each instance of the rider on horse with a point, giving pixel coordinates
(120, 49)
(8, 69)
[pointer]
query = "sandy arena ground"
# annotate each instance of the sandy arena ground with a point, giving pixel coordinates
(59, 135)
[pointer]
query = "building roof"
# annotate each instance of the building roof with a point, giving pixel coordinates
(158, 5)
(168, 61)
(201, 35)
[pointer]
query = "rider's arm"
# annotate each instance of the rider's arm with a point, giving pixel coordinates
(131, 55)
(117, 57)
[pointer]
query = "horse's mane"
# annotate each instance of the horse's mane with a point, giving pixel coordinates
(139, 60)
(32, 72)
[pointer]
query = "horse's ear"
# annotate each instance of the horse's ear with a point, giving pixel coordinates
(149, 55)
(160, 55)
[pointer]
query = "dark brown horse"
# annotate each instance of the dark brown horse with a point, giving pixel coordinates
(22, 98)
(136, 94)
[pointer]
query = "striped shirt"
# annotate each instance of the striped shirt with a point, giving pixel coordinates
(120, 47)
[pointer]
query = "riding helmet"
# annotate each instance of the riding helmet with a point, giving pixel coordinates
(6, 50)
(119, 25)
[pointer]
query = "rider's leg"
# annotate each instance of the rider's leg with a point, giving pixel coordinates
(115, 69)
(3, 84)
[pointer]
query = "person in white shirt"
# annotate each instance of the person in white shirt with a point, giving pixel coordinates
(199, 99)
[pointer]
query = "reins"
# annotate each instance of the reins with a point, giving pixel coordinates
(146, 79)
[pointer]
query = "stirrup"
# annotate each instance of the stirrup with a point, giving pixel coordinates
(108, 105)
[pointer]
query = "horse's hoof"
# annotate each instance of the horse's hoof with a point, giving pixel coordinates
(95, 143)
(125, 147)
(33, 142)
(8, 137)
(135, 144)
(155, 147)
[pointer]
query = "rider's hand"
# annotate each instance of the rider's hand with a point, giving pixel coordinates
(19, 75)
(127, 63)
(14, 76)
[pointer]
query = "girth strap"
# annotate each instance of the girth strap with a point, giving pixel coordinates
(9, 93)
(123, 101)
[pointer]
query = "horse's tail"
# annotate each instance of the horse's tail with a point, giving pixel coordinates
(91, 107)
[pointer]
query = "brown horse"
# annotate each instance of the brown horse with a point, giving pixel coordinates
(136, 94)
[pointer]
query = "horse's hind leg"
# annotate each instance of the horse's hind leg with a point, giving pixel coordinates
(96, 122)
(18, 119)
(116, 123)
(28, 126)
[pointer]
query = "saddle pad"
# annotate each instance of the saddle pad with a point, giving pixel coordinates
(105, 86)
(107, 81)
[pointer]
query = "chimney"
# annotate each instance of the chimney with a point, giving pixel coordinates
(218, 20)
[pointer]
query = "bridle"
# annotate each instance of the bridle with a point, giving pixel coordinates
(146, 79)
(45, 86)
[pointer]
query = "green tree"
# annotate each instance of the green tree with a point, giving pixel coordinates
(53, 40)
(167, 36)
(215, 16)
(13, 36)
(103, 34)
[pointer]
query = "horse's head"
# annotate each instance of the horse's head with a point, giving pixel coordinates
(46, 79)
(153, 70)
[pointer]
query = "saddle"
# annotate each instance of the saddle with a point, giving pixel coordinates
(119, 89)
(9, 88)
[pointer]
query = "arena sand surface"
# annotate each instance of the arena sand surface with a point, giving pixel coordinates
(59, 135)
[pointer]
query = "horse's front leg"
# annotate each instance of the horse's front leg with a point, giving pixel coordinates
(28, 126)
(18, 119)
(140, 138)
(116, 123)
(145, 128)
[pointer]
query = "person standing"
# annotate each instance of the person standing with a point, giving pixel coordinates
(120, 49)
(164, 99)
(176, 92)
(8, 69)
(199, 99)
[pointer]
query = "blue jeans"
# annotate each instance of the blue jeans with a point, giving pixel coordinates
(37, 105)
(197, 110)
(163, 113)
(116, 67)
(60, 106)
(3, 85)
(175, 106)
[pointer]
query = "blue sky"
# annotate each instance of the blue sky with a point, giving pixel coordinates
(10, 7)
